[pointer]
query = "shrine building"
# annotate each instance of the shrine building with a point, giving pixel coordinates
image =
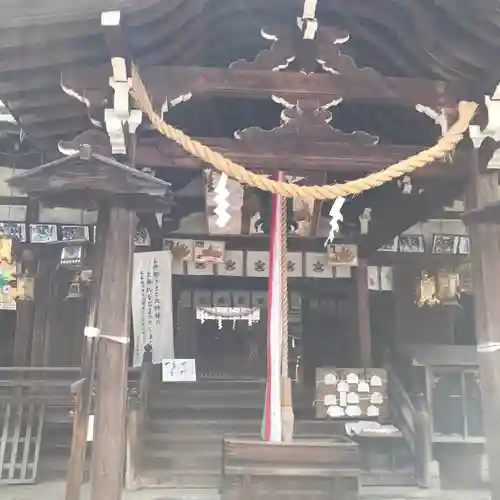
(249, 247)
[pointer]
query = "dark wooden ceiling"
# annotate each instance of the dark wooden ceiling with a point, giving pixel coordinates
(450, 40)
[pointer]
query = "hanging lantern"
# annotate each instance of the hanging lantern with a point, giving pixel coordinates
(426, 291)
(75, 288)
(465, 276)
(25, 289)
(448, 285)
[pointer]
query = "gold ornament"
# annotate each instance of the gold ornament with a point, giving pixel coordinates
(426, 291)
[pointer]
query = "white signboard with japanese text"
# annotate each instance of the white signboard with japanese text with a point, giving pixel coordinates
(178, 370)
(152, 306)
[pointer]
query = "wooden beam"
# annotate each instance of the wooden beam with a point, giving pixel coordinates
(167, 83)
(348, 159)
(363, 315)
(399, 214)
(488, 214)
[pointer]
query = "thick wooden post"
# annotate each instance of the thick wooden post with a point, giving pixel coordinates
(23, 333)
(423, 443)
(25, 309)
(84, 386)
(109, 447)
(42, 305)
(485, 258)
(363, 310)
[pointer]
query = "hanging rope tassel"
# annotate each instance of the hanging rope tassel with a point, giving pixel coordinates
(272, 421)
(287, 416)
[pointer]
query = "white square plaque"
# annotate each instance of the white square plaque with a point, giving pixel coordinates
(178, 370)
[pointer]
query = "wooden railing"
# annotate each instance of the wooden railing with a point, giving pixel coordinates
(137, 420)
(34, 398)
(412, 418)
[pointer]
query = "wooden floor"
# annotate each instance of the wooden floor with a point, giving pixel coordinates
(51, 491)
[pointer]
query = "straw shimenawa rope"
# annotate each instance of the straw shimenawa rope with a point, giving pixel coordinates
(443, 147)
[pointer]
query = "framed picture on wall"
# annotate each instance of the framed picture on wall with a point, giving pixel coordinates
(390, 246)
(445, 244)
(464, 245)
(411, 243)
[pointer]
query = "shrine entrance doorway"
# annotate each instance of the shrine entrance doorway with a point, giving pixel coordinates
(231, 349)
(225, 329)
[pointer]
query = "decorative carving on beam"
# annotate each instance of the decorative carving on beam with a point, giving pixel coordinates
(307, 119)
(277, 57)
(290, 45)
(333, 61)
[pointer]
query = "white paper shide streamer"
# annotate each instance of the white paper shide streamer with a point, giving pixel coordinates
(222, 194)
(335, 218)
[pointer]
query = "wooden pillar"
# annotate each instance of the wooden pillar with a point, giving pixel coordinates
(23, 333)
(41, 307)
(84, 386)
(25, 309)
(485, 259)
(363, 314)
(109, 448)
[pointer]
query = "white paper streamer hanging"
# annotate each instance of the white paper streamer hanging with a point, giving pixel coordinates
(220, 199)
(335, 217)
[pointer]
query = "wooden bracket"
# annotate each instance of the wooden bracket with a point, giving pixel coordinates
(492, 129)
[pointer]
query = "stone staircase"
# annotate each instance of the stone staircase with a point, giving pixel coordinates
(182, 445)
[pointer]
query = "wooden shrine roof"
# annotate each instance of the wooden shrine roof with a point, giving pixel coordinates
(86, 177)
(447, 40)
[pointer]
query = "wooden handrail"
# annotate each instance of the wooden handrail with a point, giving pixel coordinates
(414, 423)
(401, 407)
(137, 420)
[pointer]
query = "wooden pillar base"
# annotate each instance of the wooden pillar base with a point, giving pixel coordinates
(287, 416)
